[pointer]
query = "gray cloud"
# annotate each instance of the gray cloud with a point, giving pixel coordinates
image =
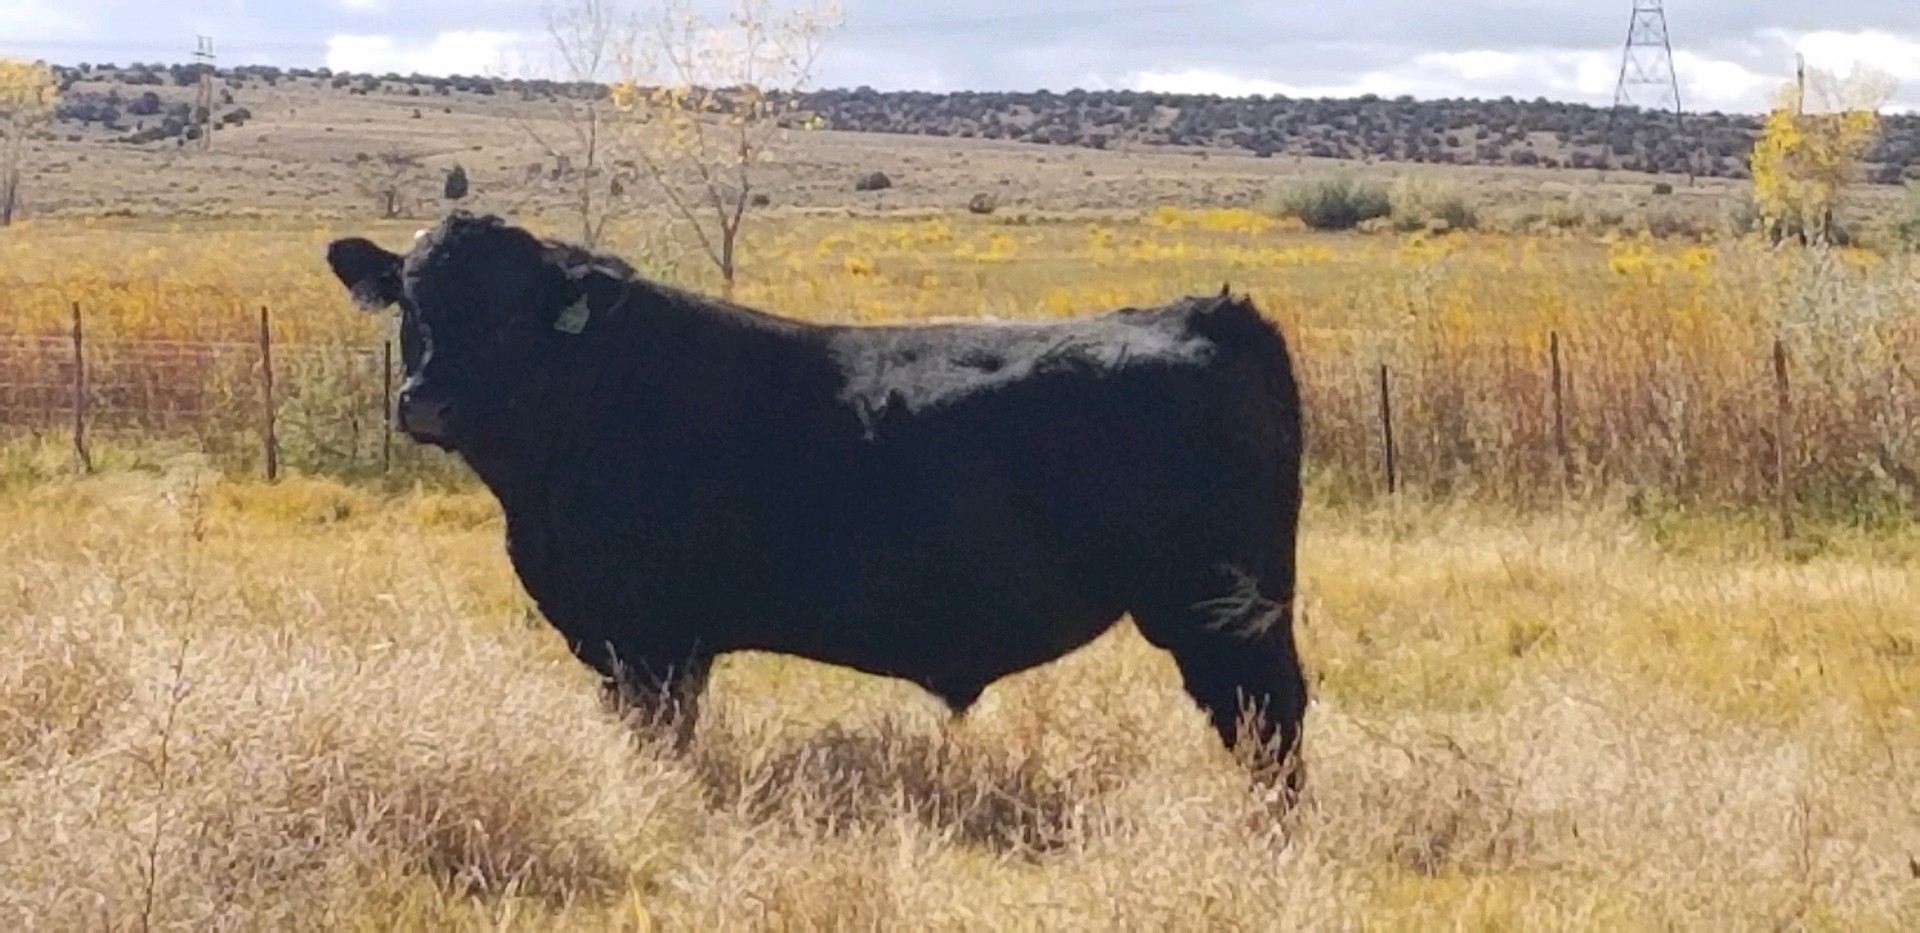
(1731, 52)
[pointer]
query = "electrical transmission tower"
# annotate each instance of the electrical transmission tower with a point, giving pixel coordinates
(203, 103)
(1647, 63)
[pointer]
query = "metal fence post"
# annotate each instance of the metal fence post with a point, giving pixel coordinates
(270, 445)
(81, 454)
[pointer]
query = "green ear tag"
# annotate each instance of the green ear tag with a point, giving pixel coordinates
(573, 320)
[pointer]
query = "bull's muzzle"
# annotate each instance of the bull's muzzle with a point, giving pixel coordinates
(422, 417)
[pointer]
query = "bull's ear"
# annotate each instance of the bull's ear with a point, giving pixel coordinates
(371, 274)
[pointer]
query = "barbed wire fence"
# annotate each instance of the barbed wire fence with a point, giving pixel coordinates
(1509, 418)
(327, 404)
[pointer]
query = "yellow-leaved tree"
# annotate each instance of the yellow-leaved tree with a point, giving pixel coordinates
(27, 95)
(1811, 148)
(704, 102)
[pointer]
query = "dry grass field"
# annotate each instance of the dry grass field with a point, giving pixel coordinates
(306, 151)
(1558, 683)
(227, 705)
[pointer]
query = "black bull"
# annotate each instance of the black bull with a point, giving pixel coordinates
(946, 504)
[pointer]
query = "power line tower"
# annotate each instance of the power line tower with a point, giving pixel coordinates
(203, 102)
(1647, 63)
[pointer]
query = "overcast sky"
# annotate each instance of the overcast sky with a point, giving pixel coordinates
(1730, 54)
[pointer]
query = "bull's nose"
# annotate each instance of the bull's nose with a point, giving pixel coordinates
(423, 417)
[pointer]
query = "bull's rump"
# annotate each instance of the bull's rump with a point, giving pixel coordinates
(993, 517)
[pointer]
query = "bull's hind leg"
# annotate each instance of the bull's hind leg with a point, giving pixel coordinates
(1233, 641)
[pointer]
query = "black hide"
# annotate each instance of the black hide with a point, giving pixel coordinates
(683, 477)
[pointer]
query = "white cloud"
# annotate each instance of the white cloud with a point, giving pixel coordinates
(478, 52)
(881, 68)
(1711, 84)
(1202, 81)
(1840, 51)
(364, 6)
(1478, 64)
(1586, 76)
(40, 20)
(1476, 73)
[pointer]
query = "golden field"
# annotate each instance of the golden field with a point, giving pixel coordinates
(326, 703)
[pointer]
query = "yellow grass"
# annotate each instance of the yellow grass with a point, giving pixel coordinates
(223, 704)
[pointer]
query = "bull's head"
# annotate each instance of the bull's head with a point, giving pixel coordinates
(489, 315)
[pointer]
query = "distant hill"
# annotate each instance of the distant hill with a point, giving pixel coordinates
(1465, 132)
(1503, 132)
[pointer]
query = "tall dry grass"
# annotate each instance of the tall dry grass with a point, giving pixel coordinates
(225, 705)
(1668, 393)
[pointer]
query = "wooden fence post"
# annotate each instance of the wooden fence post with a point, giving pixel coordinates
(1386, 432)
(386, 405)
(80, 453)
(270, 445)
(1783, 439)
(1560, 445)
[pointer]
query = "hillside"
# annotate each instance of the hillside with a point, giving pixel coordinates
(1539, 133)
(316, 144)
(1505, 132)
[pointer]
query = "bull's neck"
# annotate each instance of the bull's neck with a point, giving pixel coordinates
(523, 460)
(663, 348)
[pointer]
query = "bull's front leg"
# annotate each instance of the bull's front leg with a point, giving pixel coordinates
(661, 691)
(653, 690)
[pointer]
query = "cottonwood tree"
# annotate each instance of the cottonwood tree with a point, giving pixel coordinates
(27, 95)
(1811, 147)
(705, 101)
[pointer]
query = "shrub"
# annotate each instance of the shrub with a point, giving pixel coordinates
(874, 181)
(1335, 203)
(983, 203)
(1416, 205)
(1904, 227)
(1666, 222)
(1563, 215)
(1740, 216)
(456, 184)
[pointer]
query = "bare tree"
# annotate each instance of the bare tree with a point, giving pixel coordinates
(586, 40)
(390, 179)
(705, 101)
(27, 95)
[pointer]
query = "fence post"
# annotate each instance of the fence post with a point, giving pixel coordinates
(386, 405)
(1560, 445)
(1783, 438)
(80, 453)
(270, 444)
(1386, 432)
